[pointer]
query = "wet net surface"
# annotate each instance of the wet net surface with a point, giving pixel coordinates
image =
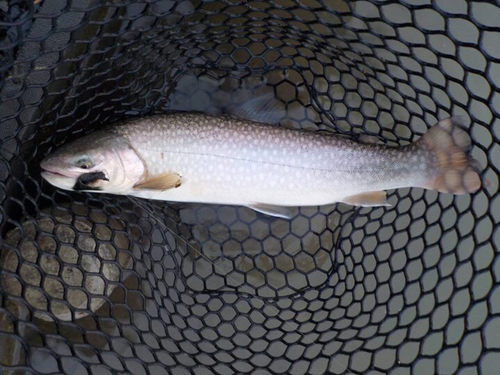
(96, 284)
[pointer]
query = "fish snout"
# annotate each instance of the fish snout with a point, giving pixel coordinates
(54, 165)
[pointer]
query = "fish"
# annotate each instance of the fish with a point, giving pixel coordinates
(198, 158)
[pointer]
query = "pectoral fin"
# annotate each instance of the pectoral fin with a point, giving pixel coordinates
(369, 199)
(160, 182)
(275, 211)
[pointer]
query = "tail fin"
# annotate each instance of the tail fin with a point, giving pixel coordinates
(452, 168)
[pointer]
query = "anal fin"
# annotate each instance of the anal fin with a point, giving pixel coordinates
(160, 182)
(369, 199)
(275, 211)
(369, 139)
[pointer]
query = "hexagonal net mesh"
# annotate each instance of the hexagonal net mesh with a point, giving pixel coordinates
(98, 284)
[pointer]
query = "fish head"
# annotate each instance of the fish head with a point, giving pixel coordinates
(99, 162)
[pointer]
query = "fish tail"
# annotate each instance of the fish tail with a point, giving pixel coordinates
(452, 169)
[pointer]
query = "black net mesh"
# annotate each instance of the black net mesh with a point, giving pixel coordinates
(97, 284)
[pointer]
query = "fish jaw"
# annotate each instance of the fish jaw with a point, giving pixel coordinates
(60, 181)
(63, 177)
(58, 167)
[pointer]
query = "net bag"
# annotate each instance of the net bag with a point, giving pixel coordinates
(99, 284)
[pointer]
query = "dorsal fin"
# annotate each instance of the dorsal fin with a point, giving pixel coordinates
(264, 108)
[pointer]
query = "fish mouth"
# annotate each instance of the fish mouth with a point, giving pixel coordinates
(55, 174)
(59, 180)
(58, 177)
(51, 171)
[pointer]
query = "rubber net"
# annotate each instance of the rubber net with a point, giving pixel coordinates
(99, 284)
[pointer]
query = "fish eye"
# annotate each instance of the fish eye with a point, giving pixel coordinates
(84, 164)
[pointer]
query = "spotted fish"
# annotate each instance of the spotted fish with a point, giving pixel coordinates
(192, 157)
